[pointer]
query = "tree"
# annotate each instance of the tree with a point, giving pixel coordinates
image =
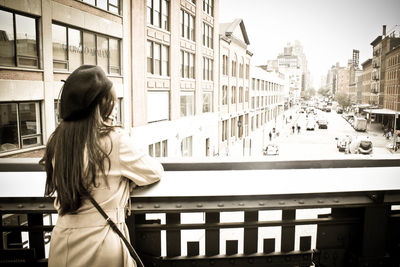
(343, 100)
(307, 95)
(324, 92)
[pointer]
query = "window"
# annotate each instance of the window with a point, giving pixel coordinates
(207, 69)
(224, 130)
(208, 7)
(158, 13)
(109, 5)
(187, 103)
(186, 146)
(233, 95)
(20, 125)
(233, 68)
(225, 63)
(73, 47)
(157, 106)
(187, 25)
(233, 127)
(247, 71)
(187, 65)
(207, 102)
(19, 46)
(159, 149)
(207, 35)
(240, 94)
(157, 59)
(224, 95)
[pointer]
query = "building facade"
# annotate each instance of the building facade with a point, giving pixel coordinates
(163, 68)
(366, 81)
(42, 42)
(392, 80)
(234, 72)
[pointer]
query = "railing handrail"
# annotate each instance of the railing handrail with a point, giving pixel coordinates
(32, 164)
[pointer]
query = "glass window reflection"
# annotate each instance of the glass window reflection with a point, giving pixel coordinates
(7, 55)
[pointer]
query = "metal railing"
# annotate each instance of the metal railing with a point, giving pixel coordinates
(362, 227)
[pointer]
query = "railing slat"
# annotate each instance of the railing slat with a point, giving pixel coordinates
(375, 232)
(288, 232)
(212, 235)
(173, 236)
(36, 238)
(250, 234)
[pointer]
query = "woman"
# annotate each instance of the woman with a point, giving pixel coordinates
(87, 155)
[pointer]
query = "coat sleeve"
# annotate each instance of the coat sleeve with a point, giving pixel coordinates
(137, 165)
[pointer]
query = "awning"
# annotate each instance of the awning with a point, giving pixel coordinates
(381, 111)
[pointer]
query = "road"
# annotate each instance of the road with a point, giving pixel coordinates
(321, 143)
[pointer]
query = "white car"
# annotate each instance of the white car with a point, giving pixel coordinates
(271, 149)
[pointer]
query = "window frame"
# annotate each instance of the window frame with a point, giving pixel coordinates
(20, 137)
(16, 56)
(153, 59)
(161, 14)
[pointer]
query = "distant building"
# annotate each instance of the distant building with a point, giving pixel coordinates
(234, 89)
(380, 47)
(366, 81)
(392, 80)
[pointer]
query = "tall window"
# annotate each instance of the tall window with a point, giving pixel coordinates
(18, 43)
(207, 102)
(158, 13)
(20, 125)
(109, 5)
(240, 94)
(247, 71)
(187, 65)
(224, 95)
(157, 106)
(157, 58)
(233, 95)
(159, 149)
(224, 130)
(233, 127)
(233, 68)
(207, 35)
(187, 25)
(73, 47)
(207, 69)
(225, 63)
(187, 103)
(186, 146)
(208, 7)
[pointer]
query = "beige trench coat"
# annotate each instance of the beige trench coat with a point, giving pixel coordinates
(85, 239)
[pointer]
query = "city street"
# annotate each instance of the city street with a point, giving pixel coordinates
(321, 143)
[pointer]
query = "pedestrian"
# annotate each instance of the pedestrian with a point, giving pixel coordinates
(389, 134)
(92, 165)
(292, 128)
(298, 128)
(270, 136)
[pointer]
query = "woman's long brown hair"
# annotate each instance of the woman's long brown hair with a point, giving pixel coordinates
(78, 155)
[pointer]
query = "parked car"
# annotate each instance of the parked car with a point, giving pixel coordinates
(360, 124)
(271, 149)
(322, 124)
(343, 142)
(362, 145)
(310, 125)
(339, 110)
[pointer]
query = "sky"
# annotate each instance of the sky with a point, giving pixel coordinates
(329, 30)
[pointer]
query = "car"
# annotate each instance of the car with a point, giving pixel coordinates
(339, 110)
(328, 109)
(270, 150)
(343, 142)
(361, 144)
(310, 126)
(322, 124)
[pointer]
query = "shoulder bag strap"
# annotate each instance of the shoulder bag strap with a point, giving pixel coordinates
(132, 251)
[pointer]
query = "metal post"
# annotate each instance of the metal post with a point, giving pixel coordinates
(394, 131)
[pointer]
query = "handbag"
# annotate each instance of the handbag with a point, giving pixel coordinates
(128, 245)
